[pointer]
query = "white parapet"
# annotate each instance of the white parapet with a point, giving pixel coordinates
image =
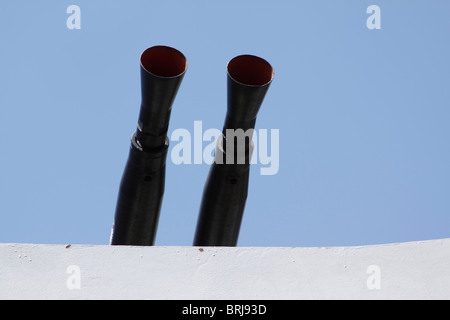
(410, 270)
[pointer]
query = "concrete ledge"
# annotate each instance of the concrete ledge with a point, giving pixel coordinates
(411, 270)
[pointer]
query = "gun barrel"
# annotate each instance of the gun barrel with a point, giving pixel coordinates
(142, 186)
(225, 192)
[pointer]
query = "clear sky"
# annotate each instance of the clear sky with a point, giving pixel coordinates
(363, 117)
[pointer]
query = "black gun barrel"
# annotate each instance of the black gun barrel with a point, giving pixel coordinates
(142, 186)
(225, 191)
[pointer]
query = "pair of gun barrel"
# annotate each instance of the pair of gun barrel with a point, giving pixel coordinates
(143, 181)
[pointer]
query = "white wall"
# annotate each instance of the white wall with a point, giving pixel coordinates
(413, 270)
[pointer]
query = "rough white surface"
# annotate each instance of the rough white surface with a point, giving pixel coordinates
(411, 270)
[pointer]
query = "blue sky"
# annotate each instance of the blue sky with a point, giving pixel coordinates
(363, 117)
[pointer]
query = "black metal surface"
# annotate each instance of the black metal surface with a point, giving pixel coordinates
(225, 191)
(142, 186)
